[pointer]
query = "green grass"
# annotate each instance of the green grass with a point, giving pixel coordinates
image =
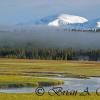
(46, 97)
(19, 73)
(24, 81)
(48, 68)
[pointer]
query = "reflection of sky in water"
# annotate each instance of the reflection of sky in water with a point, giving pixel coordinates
(70, 83)
(92, 84)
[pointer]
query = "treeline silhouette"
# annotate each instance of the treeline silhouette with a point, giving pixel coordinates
(50, 54)
(82, 30)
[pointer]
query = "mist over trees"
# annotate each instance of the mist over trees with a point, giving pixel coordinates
(49, 38)
(50, 44)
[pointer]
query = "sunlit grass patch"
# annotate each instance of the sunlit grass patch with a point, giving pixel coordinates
(22, 81)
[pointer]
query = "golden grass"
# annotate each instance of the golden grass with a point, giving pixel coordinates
(24, 81)
(21, 71)
(30, 67)
(46, 97)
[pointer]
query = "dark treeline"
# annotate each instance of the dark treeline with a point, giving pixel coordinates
(82, 30)
(50, 54)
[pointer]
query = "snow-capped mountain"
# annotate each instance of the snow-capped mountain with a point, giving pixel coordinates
(89, 25)
(68, 21)
(98, 24)
(65, 21)
(92, 24)
(60, 20)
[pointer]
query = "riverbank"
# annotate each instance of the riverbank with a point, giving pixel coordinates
(16, 73)
(24, 81)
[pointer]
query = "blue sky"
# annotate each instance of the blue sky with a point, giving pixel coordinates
(18, 11)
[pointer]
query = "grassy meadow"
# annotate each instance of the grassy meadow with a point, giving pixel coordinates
(22, 67)
(46, 97)
(24, 81)
(27, 73)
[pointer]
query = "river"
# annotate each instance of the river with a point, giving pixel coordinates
(93, 83)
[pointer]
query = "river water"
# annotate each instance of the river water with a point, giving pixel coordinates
(93, 83)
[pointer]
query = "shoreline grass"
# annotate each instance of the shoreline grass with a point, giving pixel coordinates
(22, 81)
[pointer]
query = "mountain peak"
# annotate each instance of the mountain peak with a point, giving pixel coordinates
(60, 20)
(64, 19)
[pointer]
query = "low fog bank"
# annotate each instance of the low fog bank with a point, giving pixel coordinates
(49, 37)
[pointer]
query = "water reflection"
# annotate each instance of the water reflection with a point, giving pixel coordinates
(69, 83)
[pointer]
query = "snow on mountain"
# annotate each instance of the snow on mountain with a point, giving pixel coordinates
(92, 24)
(89, 25)
(64, 19)
(69, 22)
(98, 24)
(60, 20)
